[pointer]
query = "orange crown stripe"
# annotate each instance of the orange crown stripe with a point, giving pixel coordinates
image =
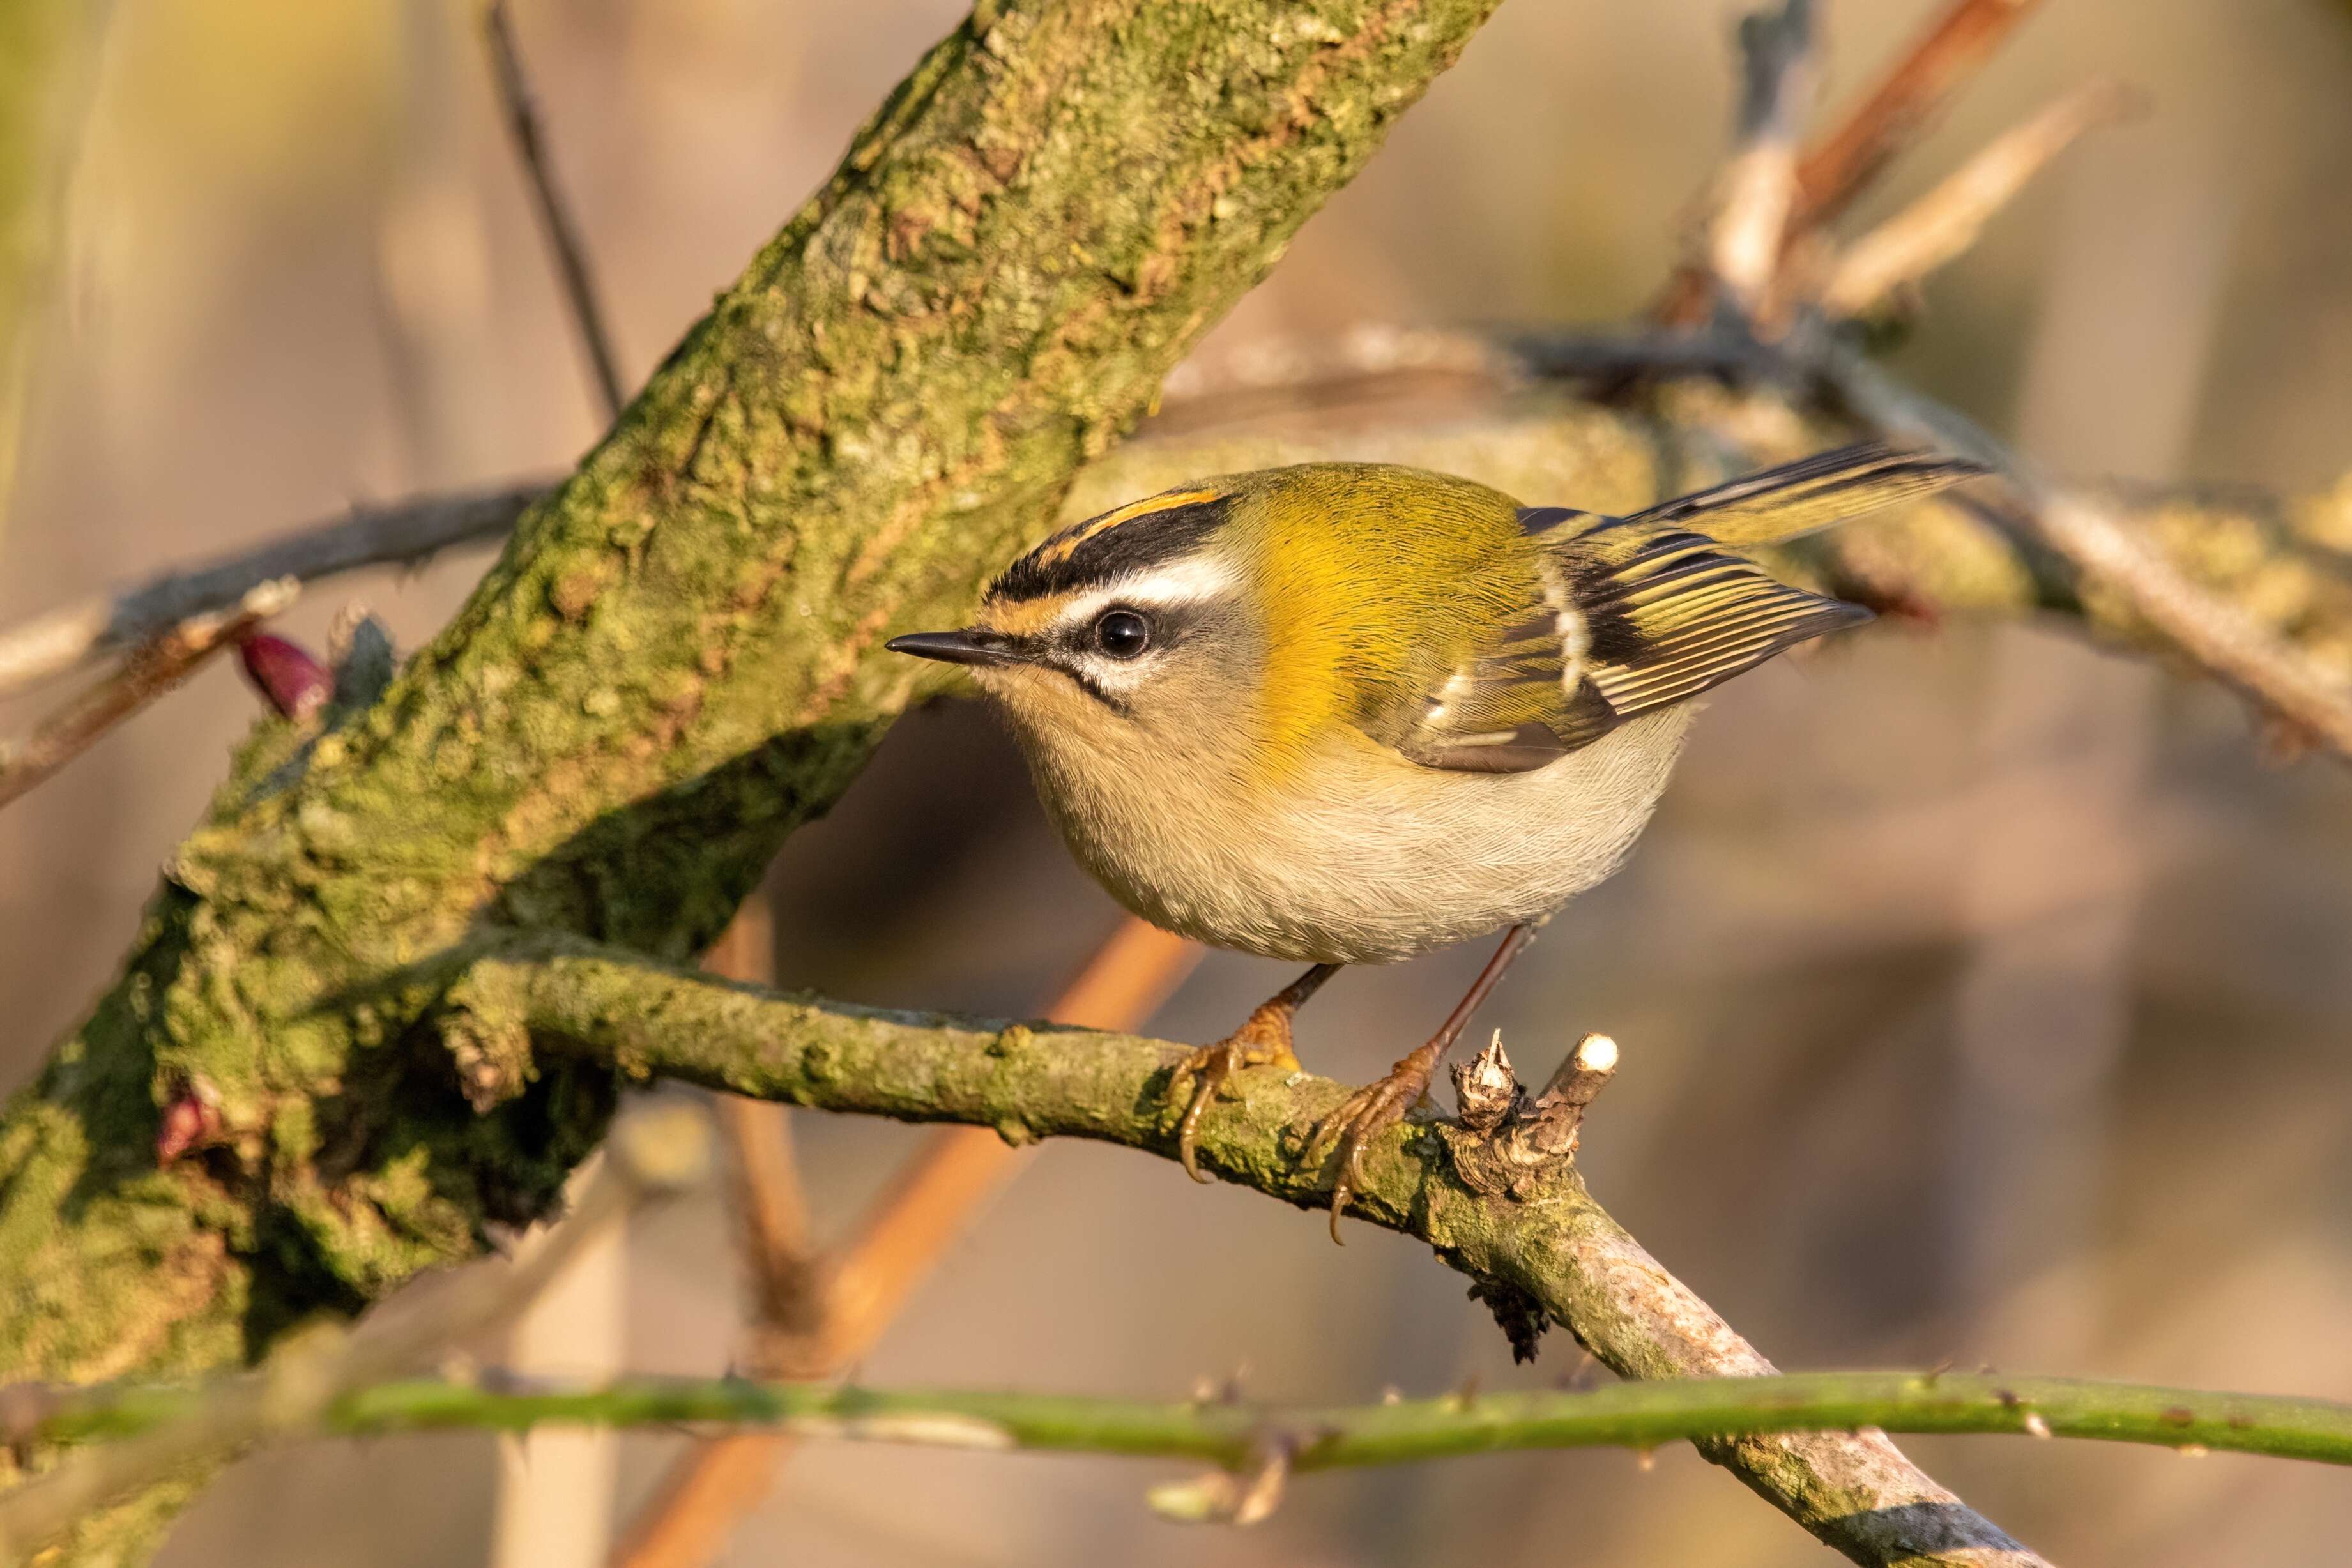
(1127, 514)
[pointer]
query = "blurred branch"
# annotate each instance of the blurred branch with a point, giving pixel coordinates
(520, 108)
(787, 1275)
(1554, 1250)
(2113, 558)
(653, 1153)
(1843, 163)
(401, 533)
(1757, 191)
(1943, 223)
(715, 1484)
(146, 674)
(49, 56)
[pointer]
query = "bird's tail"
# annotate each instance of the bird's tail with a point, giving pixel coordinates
(1813, 493)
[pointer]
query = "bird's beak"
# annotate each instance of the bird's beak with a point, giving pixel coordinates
(966, 647)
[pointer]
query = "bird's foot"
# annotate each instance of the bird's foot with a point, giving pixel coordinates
(1263, 1042)
(1366, 1114)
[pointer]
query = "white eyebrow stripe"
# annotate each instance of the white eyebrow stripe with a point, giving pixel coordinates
(1193, 582)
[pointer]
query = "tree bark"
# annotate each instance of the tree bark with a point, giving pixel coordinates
(675, 663)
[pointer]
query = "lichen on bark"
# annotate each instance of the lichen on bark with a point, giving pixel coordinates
(675, 662)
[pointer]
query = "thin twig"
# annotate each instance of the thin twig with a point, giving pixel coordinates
(563, 230)
(1841, 165)
(1556, 1252)
(1945, 222)
(1759, 187)
(402, 533)
(147, 674)
(653, 1153)
(1235, 1435)
(709, 1490)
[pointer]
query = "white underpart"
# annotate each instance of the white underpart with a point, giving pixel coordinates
(1362, 857)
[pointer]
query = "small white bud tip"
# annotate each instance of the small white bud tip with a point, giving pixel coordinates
(1597, 1053)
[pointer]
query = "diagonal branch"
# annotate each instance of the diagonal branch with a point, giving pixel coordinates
(1943, 223)
(1758, 188)
(676, 663)
(2112, 556)
(1842, 164)
(1555, 1247)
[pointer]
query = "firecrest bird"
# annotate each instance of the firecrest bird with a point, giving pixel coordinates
(1345, 713)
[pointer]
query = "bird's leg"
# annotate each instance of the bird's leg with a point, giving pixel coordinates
(1263, 1040)
(1377, 1106)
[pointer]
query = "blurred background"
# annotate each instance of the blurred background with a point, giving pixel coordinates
(1984, 998)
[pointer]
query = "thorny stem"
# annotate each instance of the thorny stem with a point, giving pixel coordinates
(1632, 1415)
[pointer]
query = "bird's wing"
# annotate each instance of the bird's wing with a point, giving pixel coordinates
(1622, 616)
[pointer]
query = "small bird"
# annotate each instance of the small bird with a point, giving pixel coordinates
(1344, 713)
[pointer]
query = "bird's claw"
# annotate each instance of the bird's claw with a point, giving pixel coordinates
(1264, 1041)
(1365, 1116)
(1211, 1065)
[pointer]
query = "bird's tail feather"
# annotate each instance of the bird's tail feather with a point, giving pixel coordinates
(1813, 493)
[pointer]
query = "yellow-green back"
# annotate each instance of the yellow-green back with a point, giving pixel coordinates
(1372, 582)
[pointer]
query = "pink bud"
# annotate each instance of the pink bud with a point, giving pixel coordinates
(296, 685)
(188, 1120)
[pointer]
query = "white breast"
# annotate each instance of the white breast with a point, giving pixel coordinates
(1364, 857)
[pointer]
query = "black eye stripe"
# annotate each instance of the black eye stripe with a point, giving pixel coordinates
(1148, 539)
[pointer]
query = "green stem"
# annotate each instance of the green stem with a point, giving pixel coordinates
(1634, 1415)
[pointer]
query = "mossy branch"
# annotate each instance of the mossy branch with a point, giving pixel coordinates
(1537, 1246)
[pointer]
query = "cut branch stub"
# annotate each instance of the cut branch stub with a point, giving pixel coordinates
(1506, 1145)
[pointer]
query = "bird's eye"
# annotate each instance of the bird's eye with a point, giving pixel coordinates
(1122, 633)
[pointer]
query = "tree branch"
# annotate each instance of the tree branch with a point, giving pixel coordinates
(1841, 164)
(1553, 1246)
(1757, 192)
(161, 663)
(2111, 556)
(400, 533)
(1498, 420)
